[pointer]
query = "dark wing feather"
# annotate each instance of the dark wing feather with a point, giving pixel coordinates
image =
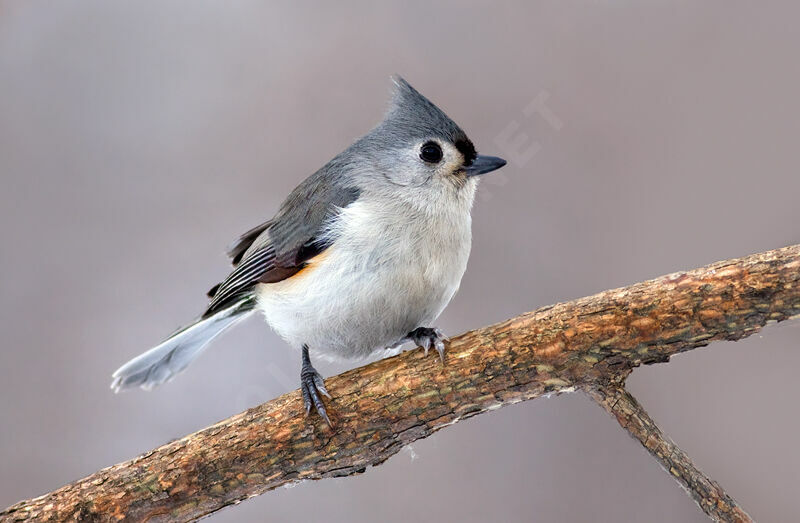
(258, 267)
(240, 246)
(213, 290)
(279, 248)
(303, 215)
(242, 279)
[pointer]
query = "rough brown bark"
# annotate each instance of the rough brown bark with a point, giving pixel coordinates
(379, 408)
(706, 492)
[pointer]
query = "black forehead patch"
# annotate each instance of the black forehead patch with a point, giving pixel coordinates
(466, 148)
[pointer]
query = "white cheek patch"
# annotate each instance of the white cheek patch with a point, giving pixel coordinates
(410, 170)
(452, 161)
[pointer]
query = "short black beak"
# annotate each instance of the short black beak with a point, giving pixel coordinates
(483, 164)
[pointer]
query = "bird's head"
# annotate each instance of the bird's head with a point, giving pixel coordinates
(418, 146)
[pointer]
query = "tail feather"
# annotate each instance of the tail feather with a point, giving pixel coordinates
(161, 363)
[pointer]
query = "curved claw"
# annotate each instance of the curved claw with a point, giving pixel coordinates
(311, 389)
(320, 384)
(311, 386)
(440, 349)
(426, 337)
(425, 343)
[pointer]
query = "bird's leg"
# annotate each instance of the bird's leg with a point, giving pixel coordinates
(426, 337)
(311, 385)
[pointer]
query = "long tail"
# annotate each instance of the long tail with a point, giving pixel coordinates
(163, 362)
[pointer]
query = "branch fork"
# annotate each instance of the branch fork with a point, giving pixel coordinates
(591, 344)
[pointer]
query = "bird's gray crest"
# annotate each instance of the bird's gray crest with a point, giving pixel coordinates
(415, 117)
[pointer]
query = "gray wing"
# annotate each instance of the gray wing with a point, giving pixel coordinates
(279, 248)
(239, 247)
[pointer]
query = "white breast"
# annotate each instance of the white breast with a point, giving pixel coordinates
(389, 271)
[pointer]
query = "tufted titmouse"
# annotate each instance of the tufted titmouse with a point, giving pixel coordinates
(362, 256)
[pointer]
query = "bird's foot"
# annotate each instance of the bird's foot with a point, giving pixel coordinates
(427, 337)
(311, 386)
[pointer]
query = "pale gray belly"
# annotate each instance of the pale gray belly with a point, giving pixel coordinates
(351, 302)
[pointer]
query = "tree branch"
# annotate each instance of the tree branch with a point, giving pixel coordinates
(381, 407)
(706, 492)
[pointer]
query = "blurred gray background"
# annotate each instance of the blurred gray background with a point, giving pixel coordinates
(138, 139)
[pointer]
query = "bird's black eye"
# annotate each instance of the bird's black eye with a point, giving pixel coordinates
(431, 152)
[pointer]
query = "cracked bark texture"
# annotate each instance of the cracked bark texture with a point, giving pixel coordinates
(706, 492)
(381, 407)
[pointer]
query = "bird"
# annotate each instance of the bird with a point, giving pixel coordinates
(361, 257)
